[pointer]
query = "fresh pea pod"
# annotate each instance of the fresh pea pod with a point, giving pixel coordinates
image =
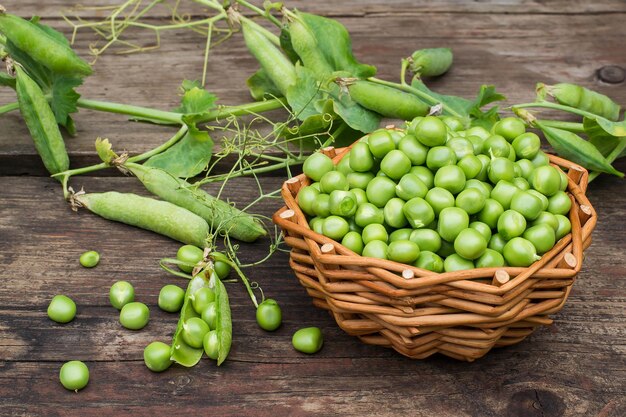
(387, 101)
(7, 81)
(306, 46)
(41, 123)
(224, 323)
(42, 47)
(431, 62)
(576, 149)
(158, 216)
(582, 98)
(276, 66)
(221, 216)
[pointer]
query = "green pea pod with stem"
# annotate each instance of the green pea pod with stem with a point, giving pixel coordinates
(41, 46)
(582, 98)
(41, 123)
(430, 62)
(576, 149)
(160, 217)
(220, 216)
(387, 101)
(275, 64)
(224, 322)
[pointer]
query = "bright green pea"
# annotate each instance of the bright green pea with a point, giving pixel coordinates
(396, 136)
(171, 298)
(403, 251)
(451, 178)
(481, 228)
(121, 293)
(269, 315)
(548, 218)
(501, 169)
(490, 213)
(418, 212)
(565, 226)
(509, 128)
(360, 195)
(317, 226)
(546, 180)
(426, 239)
(316, 165)
(526, 168)
(156, 356)
(395, 164)
(484, 187)
(559, 203)
(430, 261)
(343, 165)
(374, 231)
(495, 146)
(527, 204)
(335, 227)
(315, 222)
(221, 268)
(400, 234)
(209, 315)
(527, 145)
(541, 159)
(409, 186)
(359, 180)
(393, 213)
(564, 180)
(520, 183)
(89, 259)
(74, 375)
(354, 242)
(367, 213)
(424, 174)
(61, 309)
(456, 262)
(497, 242)
(461, 147)
(315, 185)
(202, 298)
(342, 203)
(308, 340)
(489, 259)
(191, 255)
(193, 331)
(477, 143)
(452, 220)
(439, 199)
(470, 165)
(479, 131)
(210, 343)
(413, 149)
(471, 200)
(375, 249)
(380, 190)
(440, 156)
(511, 224)
(361, 159)
(334, 180)
(470, 243)
(380, 143)
(542, 236)
(486, 163)
(431, 131)
(306, 199)
(134, 316)
(520, 252)
(454, 123)
(321, 205)
(503, 193)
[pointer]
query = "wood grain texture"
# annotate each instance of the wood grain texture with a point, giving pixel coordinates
(576, 367)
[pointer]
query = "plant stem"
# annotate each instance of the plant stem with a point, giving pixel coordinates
(130, 110)
(611, 157)
(569, 126)
(9, 108)
(221, 257)
(266, 14)
(261, 170)
(243, 109)
(555, 106)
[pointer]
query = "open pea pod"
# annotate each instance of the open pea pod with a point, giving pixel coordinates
(224, 322)
(180, 351)
(576, 149)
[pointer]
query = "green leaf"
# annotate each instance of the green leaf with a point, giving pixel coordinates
(286, 46)
(486, 95)
(335, 44)
(605, 142)
(485, 119)
(188, 157)
(613, 128)
(104, 150)
(195, 99)
(6, 80)
(261, 86)
(303, 95)
(64, 99)
(355, 116)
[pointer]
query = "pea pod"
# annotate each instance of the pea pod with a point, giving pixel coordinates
(224, 323)
(576, 149)
(158, 216)
(582, 98)
(42, 47)
(306, 46)
(41, 123)
(221, 216)
(7, 81)
(431, 62)
(275, 65)
(387, 101)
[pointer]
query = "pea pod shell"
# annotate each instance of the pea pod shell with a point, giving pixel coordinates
(221, 216)
(582, 98)
(387, 101)
(576, 149)
(41, 123)
(305, 45)
(42, 47)
(431, 62)
(224, 322)
(147, 213)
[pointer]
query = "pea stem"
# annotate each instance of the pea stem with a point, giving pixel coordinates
(265, 13)
(254, 171)
(130, 110)
(555, 106)
(7, 108)
(221, 257)
(569, 126)
(611, 157)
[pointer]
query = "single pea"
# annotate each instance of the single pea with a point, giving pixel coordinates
(221, 268)
(559, 203)
(485, 162)
(526, 168)
(509, 128)
(440, 156)
(194, 330)
(171, 298)
(479, 131)
(490, 213)
(430, 261)
(456, 262)
(501, 169)
(316, 165)
(400, 234)
(461, 147)
(451, 221)
(564, 180)
(439, 199)
(495, 146)
(548, 218)
(565, 226)
(361, 159)
(335, 227)
(359, 180)
(418, 212)
(424, 174)
(209, 315)
(375, 249)
(481, 228)
(360, 195)
(317, 226)
(527, 145)
(482, 186)
(268, 315)
(470, 243)
(540, 159)
(393, 213)
(520, 252)
(367, 213)
(343, 165)
(489, 259)
(74, 375)
(409, 186)
(395, 164)
(451, 178)
(546, 180)
(321, 205)
(210, 343)
(353, 226)
(121, 293)
(503, 193)
(521, 183)
(201, 298)
(470, 165)
(191, 255)
(471, 200)
(527, 204)
(476, 141)
(380, 143)
(61, 309)
(403, 251)
(511, 224)
(374, 231)
(413, 149)
(542, 236)
(342, 203)
(308, 340)
(426, 239)
(135, 315)
(354, 242)
(306, 197)
(334, 180)
(156, 356)
(89, 259)
(497, 242)
(380, 190)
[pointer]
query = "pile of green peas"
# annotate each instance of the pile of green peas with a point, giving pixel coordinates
(441, 197)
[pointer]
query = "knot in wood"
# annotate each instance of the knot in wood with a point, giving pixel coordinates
(612, 74)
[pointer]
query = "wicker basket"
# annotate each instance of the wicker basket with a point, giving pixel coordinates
(417, 312)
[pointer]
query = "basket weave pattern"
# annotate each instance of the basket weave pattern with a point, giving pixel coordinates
(417, 312)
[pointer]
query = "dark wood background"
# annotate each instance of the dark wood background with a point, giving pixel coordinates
(576, 367)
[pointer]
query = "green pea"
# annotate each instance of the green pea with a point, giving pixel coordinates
(540, 159)
(308, 340)
(446, 249)
(489, 259)
(484, 187)
(527, 204)
(343, 165)
(374, 231)
(490, 213)
(380, 143)
(354, 242)
(334, 180)
(221, 268)
(209, 315)
(418, 212)
(321, 205)
(360, 195)
(89, 259)
(509, 128)
(61, 309)
(316, 222)
(134, 316)
(335, 227)
(486, 163)
(564, 180)
(156, 356)
(316, 165)
(359, 180)
(440, 156)
(495, 146)
(546, 180)
(342, 203)
(306, 198)
(171, 298)
(470, 243)
(471, 166)
(353, 227)
(511, 224)
(461, 147)
(479, 131)
(361, 159)
(210, 343)
(121, 293)
(501, 169)
(454, 123)
(400, 234)
(520, 252)
(456, 262)
(477, 142)
(413, 149)
(439, 199)
(403, 251)
(471, 200)
(395, 164)
(375, 249)
(426, 239)
(424, 174)
(194, 330)
(452, 220)
(393, 213)
(565, 226)
(503, 193)
(481, 228)
(521, 183)
(559, 203)
(74, 375)
(543, 198)
(367, 213)
(527, 145)
(431, 131)
(451, 178)
(191, 255)
(548, 218)
(201, 298)
(430, 261)
(542, 236)
(380, 190)
(526, 168)
(497, 242)
(409, 186)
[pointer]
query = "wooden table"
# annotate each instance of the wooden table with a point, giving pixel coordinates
(576, 367)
